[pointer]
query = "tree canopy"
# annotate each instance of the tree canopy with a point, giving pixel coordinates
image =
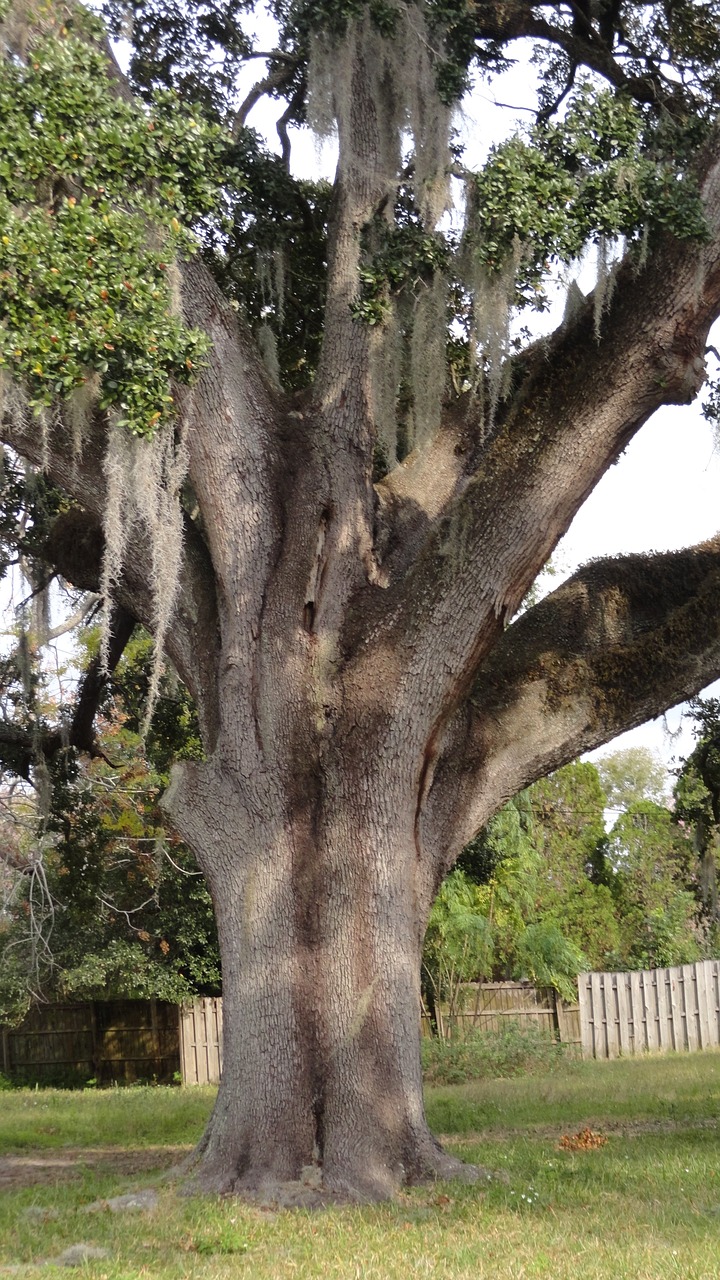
(303, 434)
(631, 775)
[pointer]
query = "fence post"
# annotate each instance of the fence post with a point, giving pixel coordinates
(97, 1055)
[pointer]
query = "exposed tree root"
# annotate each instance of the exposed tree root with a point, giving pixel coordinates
(313, 1191)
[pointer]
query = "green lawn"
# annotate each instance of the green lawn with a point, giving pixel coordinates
(646, 1205)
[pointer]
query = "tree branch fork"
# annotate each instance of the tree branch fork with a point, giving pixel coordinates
(422, 574)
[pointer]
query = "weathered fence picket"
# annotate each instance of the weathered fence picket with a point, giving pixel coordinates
(650, 1011)
(201, 1040)
(114, 1040)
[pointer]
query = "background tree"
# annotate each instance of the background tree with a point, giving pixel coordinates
(327, 500)
(632, 775)
(658, 910)
(697, 805)
(125, 910)
(572, 891)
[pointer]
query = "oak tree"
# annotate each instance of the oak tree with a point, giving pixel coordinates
(322, 462)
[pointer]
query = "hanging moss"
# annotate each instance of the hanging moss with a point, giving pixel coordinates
(144, 478)
(399, 65)
(428, 364)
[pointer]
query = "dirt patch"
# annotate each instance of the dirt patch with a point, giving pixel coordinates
(553, 1132)
(18, 1171)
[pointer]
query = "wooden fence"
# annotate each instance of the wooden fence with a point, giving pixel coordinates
(201, 1041)
(486, 1006)
(115, 1040)
(127, 1040)
(654, 1010)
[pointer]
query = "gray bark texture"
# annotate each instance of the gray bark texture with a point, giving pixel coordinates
(366, 701)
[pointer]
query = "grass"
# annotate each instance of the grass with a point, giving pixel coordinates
(645, 1206)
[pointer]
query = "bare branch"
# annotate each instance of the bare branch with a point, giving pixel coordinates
(70, 623)
(275, 79)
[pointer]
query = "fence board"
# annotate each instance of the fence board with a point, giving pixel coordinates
(636, 1013)
(689, 1008)
(110, 1041)
(201, 1041)
(586, 1016)
(611, 1016)
(648, 988)
(664, 1027)
(650, 1011)
(623, 1015)
(705, 1031)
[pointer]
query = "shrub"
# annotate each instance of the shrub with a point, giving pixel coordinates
(512, 1051)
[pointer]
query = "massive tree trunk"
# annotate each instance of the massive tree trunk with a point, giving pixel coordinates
(365, 698)
(321, 918)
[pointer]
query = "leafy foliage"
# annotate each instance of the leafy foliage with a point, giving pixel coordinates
(658, 911)
(555, 895)
(484, 1055)
(549, 959)
(195, 50)
(458, 942)
(632, 775)
(84, 175)
(267, 251)
(131, 914)
(407, 258)
(697, 807)
(590, 175)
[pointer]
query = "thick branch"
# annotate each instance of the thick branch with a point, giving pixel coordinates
(506, 20)
(617, 644)
(574, 412)
(82, 734)
(274, 80)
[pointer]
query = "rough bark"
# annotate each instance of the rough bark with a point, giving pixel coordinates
(364, 705)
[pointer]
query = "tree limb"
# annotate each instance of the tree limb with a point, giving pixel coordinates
(275, 79)
(617, 644)
(94, 683)
(575, 409)
(64, 628)
(506, 20)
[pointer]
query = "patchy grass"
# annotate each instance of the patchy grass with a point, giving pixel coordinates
(643, 1206)
(140, 1116)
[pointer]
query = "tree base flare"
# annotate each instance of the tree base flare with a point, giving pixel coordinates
(312, 1190)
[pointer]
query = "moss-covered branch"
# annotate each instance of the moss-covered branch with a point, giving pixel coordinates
(617, 644)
